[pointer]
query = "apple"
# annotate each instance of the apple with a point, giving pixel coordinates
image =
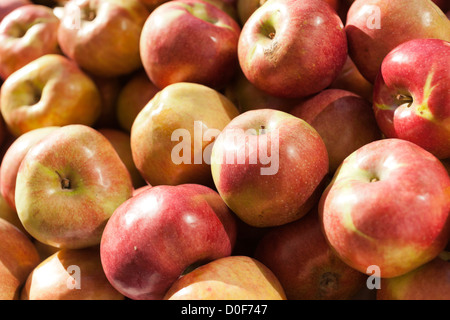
(141, 189)
(6, 6)
(70, 274)
(68, 185)
(228, 278)
(18, 259)
(49, 91)
(9, 214)
(190, 41)
(156, 235)
(228, 7)
(304, 263)
(428, 282)
(381, 213)
(268, 166)
(291, 48)
(152, 4)
(27, 33)
(13, 158)
(102, 36)
(171, 137)
(412, 95)
(132, 98)
(344, 120)
(376, 27)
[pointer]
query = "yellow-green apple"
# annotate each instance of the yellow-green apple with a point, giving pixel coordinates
(344, 120)
(380, 214)
(18, 258)
(102, 36)
(304, 263)
(27, 33)
(411, 97)
(228, 278)
(132, 98)
(428, 282)
(268, 166)
(13, 158)
(190, 41)
(70, 274)
(291, 48)
(120, 140)
(49, 91)
(375, 27)
(6, 6)
(68, 185)
(156, 235)
(171, 138)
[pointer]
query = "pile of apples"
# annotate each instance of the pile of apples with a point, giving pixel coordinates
(224, 149)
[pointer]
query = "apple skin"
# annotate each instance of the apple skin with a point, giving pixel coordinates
(228, 278)
(113, 25)
(68, 185)
(400, 21)
(190, 41)
(177, 107)
(19, 257)
(27, 33)
(6, 6)
(428, 282)
(49, 91)
(425, 118)
(380, 210)
(145, 248)
(344, 120)
(276, 197)
(51, 278)
(291, 48)
(13, 158)
(152, 4)
(304, 263)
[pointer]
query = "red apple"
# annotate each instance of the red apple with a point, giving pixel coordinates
(70, 274)
(412, 95)
(102, 36)
(49, 91)
(189, 41)
(381, 212)
(291, 48)
(154, 236)
(6, 6)
(68, 185)
(375, 27)
(268, 167)
(304, 263)
(344, 120)
(27, 33)
(228, 278)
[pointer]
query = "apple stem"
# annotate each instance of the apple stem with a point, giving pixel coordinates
(272, 35)
(404, 98)
(263, 129)
(65, 183)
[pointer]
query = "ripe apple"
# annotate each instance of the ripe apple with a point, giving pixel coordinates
(70, 274)
(190, 41)
(49, 91)
(268, 166)
(228, 278)
(68, 185)
(304, 263)
(291, 48)
(18, 258)
(171, 138)
(6, 6)
(13, 158)
(412, 95)
(157, 234)
(132, 98)
(381, 212)
(225, 6)
(428, 282)
(375, 27)
(27, 33)
(152, 4)
(102, 36)
(344, 120)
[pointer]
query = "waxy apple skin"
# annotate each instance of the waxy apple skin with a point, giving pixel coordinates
(412, 95)
(164, 230)
(379, 210)
(291, 48)
(6, 6)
